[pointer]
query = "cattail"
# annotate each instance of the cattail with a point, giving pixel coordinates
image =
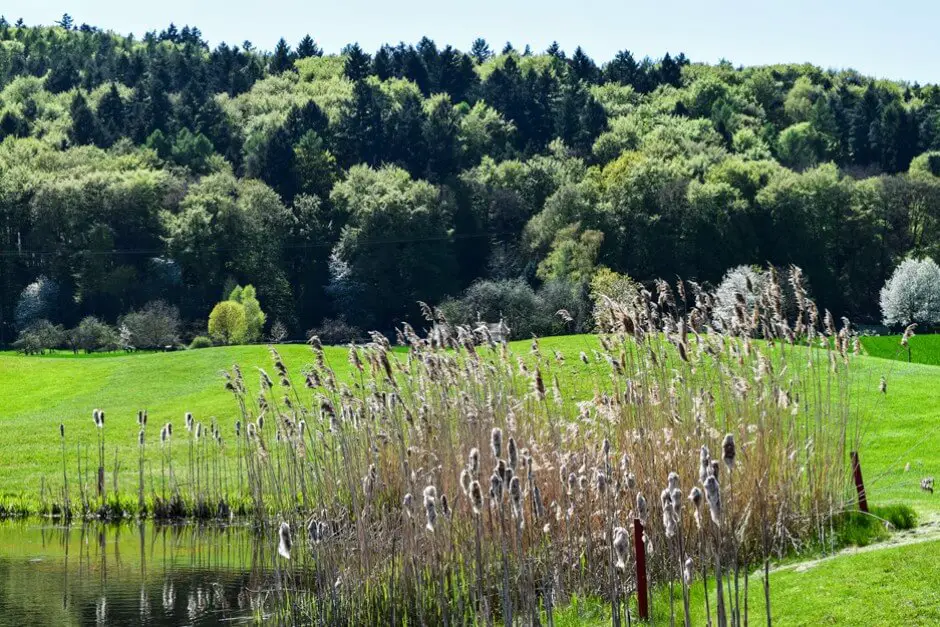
(260, 422)
(584, 357)
(883, 385)
(621, 547)
(728, 451)
(430, 506)
(926, 484)
(140, 438)
(515, 494)
(605, 447)
(513, 453)
(238, 428)
(406, 504)
(642, 509)
(713, 468)
(676, 495)
(476, 497)
(163, 435)
(445, 506)
(475, 462)
(673, 481)
(713, 496)
(706, 461)
(538, 509)
(61, 430)
(198, 430)
(284, 541)
(496, 487)
(189, 421)
(465, 480)
(572, 483)
(600, 482)
(687, 571)
(496, 442)
(169, 428)
(908, 334)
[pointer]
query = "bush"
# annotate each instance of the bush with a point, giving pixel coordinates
(524, 310)
(227, 323)
(254, 317)
(93, 335)
(335, 331)
(200, 341)
(40, 337)
(155, 326)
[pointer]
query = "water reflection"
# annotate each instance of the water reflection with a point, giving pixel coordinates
(134, 574)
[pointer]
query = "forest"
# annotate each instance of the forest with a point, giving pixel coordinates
(140, 173)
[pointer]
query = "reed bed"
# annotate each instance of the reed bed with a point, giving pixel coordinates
(463, 484)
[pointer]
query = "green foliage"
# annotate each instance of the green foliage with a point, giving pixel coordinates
(200, 341)
(228, 323)
(254, 317)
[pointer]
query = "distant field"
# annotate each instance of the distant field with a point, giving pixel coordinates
(925, 349)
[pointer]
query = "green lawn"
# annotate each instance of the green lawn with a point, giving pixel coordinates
(925, 349)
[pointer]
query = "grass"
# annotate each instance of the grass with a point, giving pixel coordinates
(925, 349)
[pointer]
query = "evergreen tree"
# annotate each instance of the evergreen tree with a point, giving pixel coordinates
(111, 116)
(622, 69)
(582, 68)
(383, 66)
(63, 76)
(357, 64)
(282, 59)
(480, 50)
(669, 72)
(308, 48)
(84, 129)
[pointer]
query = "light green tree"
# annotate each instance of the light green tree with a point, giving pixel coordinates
(254, 317)
(228, 323)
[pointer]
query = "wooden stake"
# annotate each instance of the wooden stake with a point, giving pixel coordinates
(642, 593)
(859, 483)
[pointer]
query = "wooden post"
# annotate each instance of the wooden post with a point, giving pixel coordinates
(642, 593)
(859, 483)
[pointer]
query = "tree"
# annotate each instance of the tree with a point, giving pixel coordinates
(800, 146)
(357, 63)
(254, 317)
(111, 116)
(228, 323)
(308, 48)
(94, 335)
(84, 129)
(282, 59)
(480, 50)
(912, 294)
(736, 296)
(38, 300)
(156, 325)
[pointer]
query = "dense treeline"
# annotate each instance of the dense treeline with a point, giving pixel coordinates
(347, 187)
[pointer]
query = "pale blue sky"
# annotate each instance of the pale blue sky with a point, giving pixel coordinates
(896, 39)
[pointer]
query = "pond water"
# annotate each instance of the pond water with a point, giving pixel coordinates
(134, 574)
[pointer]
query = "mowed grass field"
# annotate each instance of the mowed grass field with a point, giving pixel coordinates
(924, 349)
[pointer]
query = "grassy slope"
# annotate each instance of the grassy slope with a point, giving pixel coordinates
(925, 349)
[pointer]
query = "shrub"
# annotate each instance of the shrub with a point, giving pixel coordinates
(279, 332)
(40, 337)
(336, 331)
(912, 294)
(155, 326)
(200, 341)
(254, 317)
(93, 335)
(743, 281)
(228, 323)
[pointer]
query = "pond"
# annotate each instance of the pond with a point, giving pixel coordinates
(135, 574)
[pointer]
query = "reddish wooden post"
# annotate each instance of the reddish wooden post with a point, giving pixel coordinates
(639, 547)
(859, 483)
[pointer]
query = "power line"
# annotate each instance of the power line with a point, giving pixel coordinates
(310, 246)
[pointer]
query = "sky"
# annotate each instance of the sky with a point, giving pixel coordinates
(895, 40)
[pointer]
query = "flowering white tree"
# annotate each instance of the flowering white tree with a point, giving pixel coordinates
(912, 294)
(744, 280)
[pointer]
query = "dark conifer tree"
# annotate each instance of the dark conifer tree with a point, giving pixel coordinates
(84, 128)
(111, 116)
(282, 59)
(358, 64)
(480, 50)
(308, 48)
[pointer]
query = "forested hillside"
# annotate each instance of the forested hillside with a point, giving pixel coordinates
(350, 186)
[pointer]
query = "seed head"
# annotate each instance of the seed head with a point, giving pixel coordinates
(642, 509)
(728, 451)
(284, 541)
(465, 480)
(673, 481)
(430, 506)
(513, 453)
(476, 497)
(621, 546)
(496, 442)
(61, 430)
(713, 496)
(475, 462)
